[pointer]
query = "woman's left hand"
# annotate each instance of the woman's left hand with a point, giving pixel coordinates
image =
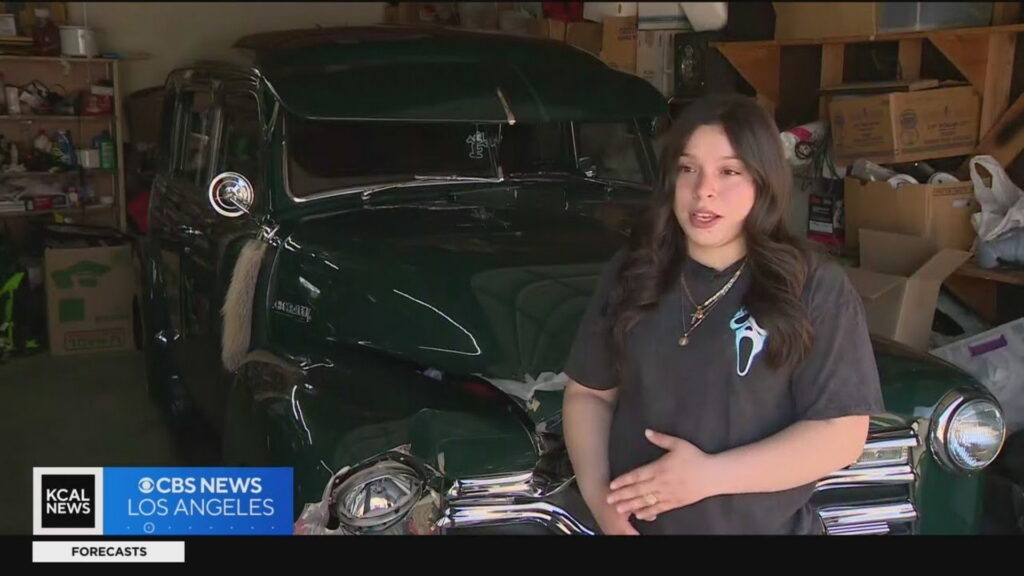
(679, 478)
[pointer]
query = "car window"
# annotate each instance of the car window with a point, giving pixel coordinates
(330, 155)
(240, 136)
(527, 147)
(197, 111)
(169, 130)
(614, 149)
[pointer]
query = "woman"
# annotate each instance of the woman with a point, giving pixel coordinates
(722, 367)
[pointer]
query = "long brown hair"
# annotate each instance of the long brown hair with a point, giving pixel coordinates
(776, 260)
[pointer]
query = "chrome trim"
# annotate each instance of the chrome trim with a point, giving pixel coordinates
(494, 487)
(871, 529)
(851, 477)
(504, 104)
(845, 520)
(882, 444)
(940, 428)
(904, 440)
(543, 513)
(946, 410)
(507, 499)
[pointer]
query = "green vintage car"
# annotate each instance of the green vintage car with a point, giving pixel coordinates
(368, 255)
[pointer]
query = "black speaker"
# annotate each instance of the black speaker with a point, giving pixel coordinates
(700, 68)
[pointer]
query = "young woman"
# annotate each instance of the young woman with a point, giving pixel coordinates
(722, 367)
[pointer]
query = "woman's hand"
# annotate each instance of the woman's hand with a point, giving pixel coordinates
(679, 478)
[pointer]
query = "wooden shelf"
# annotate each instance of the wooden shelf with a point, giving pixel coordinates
(892, 37)
(9, 175)
(54, 118)
(984, 55)
(32, 58)
(70, 209)
(26, 64)
(970, 269)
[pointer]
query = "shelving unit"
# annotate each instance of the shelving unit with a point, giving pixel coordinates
(985, 57)
(63, 210)
(55, 118)
(70, 76)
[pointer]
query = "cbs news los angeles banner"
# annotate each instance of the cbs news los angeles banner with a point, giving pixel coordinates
(156, 502)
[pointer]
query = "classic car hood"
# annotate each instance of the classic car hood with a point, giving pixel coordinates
(489, 292)
(495, 293)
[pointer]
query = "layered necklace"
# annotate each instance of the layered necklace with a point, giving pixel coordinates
(701, 311)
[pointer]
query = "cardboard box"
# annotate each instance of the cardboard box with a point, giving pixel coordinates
(599, 11)
(582, 34)
(662, 16)
(89, 294)
(654, 59)
(585, 35)
(938, 212)
(907, 126)
(814, 20)
(809, 20)
(618, 44)
(899, 279)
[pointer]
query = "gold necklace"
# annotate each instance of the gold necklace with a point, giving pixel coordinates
(701, 311)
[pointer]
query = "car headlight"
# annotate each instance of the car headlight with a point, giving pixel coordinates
(968, 433)
(386, 497)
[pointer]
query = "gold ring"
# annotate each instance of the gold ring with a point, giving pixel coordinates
(651, 498)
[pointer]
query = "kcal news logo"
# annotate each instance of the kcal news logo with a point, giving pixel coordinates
(67, 501)
(163, 501)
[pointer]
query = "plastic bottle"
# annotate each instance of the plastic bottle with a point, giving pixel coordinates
(67, 148)
(105, 145)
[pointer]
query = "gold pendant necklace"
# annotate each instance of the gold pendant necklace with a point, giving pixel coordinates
(701, 311)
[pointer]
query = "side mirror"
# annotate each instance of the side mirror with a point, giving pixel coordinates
(231, 194)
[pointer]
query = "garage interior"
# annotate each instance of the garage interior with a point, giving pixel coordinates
(83, 88)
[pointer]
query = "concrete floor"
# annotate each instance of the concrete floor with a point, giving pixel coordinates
(74, 411)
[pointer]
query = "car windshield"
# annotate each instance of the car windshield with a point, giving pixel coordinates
(326, 156)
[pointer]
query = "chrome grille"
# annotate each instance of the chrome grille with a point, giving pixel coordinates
(522, 498)
(528, 498)
(885, 461)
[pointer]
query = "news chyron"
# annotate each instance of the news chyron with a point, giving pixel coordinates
(122, 501)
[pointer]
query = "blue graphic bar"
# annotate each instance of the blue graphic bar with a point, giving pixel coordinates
(197, 501)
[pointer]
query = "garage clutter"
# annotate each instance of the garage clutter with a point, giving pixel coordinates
(635, 37)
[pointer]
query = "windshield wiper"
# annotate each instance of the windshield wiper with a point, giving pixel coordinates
(575, 176)
(419, 180)
(458, 178)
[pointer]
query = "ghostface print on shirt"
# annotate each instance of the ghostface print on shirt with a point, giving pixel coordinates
(750, 339)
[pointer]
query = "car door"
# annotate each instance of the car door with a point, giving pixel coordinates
(182, 226)
(236, 137)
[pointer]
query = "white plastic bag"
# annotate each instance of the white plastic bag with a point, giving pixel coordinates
(706, 15)
(996, 359)
(1002, 204)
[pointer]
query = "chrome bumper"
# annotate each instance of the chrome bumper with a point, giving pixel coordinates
(524, 499)
(508, 500)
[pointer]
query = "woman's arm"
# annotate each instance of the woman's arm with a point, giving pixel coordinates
(586, 422)
(804, 452)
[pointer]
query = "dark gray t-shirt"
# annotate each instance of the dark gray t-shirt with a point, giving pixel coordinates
(718, 391)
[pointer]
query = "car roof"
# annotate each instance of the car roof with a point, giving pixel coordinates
(443, 74)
